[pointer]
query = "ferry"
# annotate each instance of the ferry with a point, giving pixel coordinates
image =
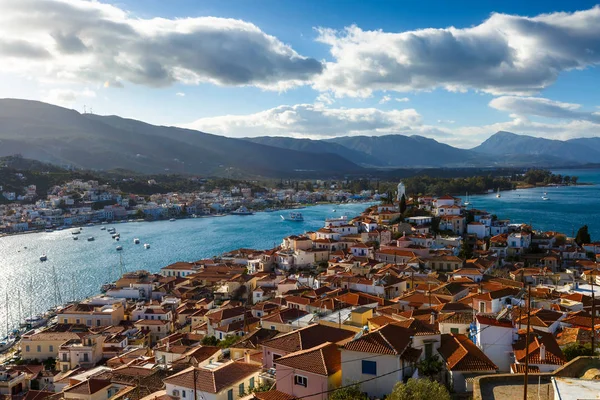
(136, 241)
(293, 216)
(146, 245)
(242, 211)
(43, 257)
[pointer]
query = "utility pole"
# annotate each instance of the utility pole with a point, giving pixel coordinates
(593, 317)
(527, 343)
(194, 376)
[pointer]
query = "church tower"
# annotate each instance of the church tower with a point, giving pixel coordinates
(401, 190)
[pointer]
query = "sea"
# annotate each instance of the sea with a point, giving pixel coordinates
(76, 269)
(566, 210)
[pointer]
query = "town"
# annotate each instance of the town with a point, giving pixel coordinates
(422, 291)
(79, 202)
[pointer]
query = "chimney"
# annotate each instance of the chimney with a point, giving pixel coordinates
(168, 345)
(247, 357)
(432, 318)
(542, 352)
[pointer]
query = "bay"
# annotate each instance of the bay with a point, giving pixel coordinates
(81, 267)
(568, 207)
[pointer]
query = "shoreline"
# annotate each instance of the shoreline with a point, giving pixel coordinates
(297, 206)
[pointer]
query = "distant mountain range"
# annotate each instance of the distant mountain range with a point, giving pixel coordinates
(65, 137)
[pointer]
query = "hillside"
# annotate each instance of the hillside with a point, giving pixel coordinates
(556, 151)
(60, 136)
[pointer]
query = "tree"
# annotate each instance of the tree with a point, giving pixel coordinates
(575, 350)
(229, 341)
(583, 236)
(210, 341)
(402, 204)
(417, 389)
(430, 366)
(348, 393)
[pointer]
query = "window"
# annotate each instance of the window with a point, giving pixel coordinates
(27, 348)
(176, 393)
(89, 322)
(77, 321)
(481, 306)
(272, 327)
(454, 330)
(183, 393)
(85, 357)
(65, 321)
(230, 394)
(39, 349)
(428, 350)
(50, 348)
(241, 389)
(300, 380)
(369, 367)
(251, 383)
(97, 322)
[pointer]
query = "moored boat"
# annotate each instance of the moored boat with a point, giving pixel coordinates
(294, 216)
(43, 257)
(242, 211)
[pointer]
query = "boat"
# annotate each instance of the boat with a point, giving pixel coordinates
(76, 232)
(146, 245)
(498, 194)
(7, 343)
(75, 237)
(90, 239)
(48, 230)
(119, 248)
(116, 235)
(293, 216)
(333, 210)
(103, 228)
(107, 286)
(136, 241)
(544, 197)
(118, 238)
(43, 257)
(467, 200)
(172, 220)
(34, 322)
(242, 211)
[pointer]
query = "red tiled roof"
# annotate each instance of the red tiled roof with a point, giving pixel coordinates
(461, 354)
(213, 381)
(324, 359)
(390, 339)
(554, 354)
(306, 338)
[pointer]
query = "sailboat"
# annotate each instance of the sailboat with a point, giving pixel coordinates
(467, 200)
(545, 196)
(9, 340)
(498, 194)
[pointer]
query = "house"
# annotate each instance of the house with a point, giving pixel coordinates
(453, 223)
(284, 320)
(301, 339)
(463, 360)
(478, 229)
(385, 353)
(544, 351)
(12, 382)
(443, 263)
(43, 345)
(495, 337)
(306, 372)
(92, 389)
(85, 352)
(214, 381)
(493, 302)
(454, 322)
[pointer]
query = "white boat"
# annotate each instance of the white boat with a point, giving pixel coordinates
(34, 322)
(136, 241)
(76, 232)
(119, 248)
(544, 197)
(467, 200)
(43, 257)
(90, 239)
(103, 228)
(333, 210)
(146, 245)
(172, 220)
(498, 194)
(242, 211)
(118, 238)
(75, 237)
(293, 216)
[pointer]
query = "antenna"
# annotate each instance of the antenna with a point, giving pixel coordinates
(84, 110)
(91, 110)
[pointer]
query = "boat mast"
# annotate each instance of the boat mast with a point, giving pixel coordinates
(57, 297)
(7, 314)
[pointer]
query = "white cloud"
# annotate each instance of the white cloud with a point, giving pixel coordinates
(324, 99)
(541, 107)
(315, 121)
(445, 121)
(402, 99)
(505, 54)
(67, 97)
(88, 41)
(180, 94)
(385, 99)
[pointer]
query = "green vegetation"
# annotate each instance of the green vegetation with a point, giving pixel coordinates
(348, 393)
(583, 236)
(575, 350)
(418, 389)
(545, 177)
(430, 366)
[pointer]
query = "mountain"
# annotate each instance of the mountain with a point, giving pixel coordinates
(318, 147)
(61, 136)
(575, 151)
(416, 151)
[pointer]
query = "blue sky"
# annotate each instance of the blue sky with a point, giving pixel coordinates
(454, 71)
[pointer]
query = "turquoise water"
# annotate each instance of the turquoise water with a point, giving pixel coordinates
(82, 267)
(568, 207)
